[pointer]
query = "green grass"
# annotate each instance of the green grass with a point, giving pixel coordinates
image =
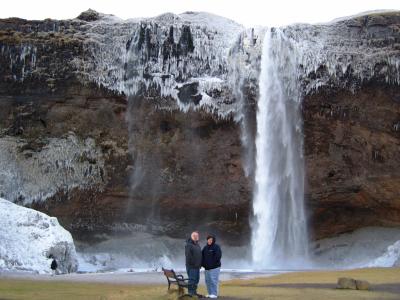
(302, 285)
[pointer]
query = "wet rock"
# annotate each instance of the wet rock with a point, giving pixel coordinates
(188, 93)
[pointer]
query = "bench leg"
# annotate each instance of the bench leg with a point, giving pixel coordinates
(181, 291)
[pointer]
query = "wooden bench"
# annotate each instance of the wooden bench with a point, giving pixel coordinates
(176, 279)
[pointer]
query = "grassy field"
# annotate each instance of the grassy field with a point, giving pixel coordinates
(305, 285)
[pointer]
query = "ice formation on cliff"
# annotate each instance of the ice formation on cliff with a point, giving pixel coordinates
(165, 53)
(170, 53)
(60, 165)
(342, 54)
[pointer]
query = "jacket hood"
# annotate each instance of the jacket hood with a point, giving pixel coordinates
(213, 237)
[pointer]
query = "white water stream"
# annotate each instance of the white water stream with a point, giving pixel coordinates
(280, 232)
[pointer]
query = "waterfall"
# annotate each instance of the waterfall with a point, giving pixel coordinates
(279, 237)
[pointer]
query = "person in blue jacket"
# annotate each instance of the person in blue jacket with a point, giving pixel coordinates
(212, 264)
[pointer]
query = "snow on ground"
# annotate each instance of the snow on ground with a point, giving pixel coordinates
(391, 257)
(141, 251)
(29, 237)
(137, 251)
(366, 247)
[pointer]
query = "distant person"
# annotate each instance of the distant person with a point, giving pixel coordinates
(212, 264)
(53, 267)
(194, 258)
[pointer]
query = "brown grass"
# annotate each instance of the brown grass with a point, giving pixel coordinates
(301, 285)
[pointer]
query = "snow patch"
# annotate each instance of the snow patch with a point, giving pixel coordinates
(141, 251)
(391, 258)
(366, 247)
(29, 237)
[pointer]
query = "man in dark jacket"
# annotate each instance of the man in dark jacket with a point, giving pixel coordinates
(193, 262)
(212, 263)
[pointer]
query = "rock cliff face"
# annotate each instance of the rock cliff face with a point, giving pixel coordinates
(73, 147)
(116, 126)
(352, 144)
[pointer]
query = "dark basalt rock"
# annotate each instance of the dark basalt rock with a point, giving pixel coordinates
(188, 93)
(351, 144)
(89, 15)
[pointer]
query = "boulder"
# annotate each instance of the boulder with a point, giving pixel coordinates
(363, 285)
(89, 15)
(353, 284)
(346, 283)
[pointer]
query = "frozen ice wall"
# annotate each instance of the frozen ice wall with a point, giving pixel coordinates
(183, 58)
(342, 54)
(59, 165)
(22, 59)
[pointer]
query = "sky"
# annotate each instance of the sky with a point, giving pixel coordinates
(246, 12)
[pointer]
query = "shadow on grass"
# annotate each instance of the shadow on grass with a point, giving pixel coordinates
(387, 287)
(219, 297)
(174, 294)
(295, 285)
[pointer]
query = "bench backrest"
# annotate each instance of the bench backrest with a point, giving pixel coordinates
(169, 273)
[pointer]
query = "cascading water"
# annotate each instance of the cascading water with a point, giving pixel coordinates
(280, 232)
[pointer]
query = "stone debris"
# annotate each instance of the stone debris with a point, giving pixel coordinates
(352, 284)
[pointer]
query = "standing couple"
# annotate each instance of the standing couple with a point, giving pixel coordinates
(209, 258)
